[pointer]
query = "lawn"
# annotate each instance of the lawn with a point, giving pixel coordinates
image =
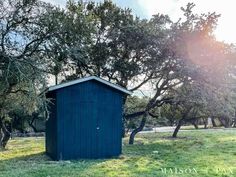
(194, 153)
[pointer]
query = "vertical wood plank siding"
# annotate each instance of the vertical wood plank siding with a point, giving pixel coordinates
(51, 127)
(89, 121)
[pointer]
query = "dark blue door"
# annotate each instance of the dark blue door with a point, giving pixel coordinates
(109, 124)
(88, 129)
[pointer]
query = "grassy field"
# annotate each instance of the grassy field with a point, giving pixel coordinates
(196, 153)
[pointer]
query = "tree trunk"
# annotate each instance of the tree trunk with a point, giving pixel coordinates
(31, 122)
(195, 125)
(56, 79)
(140, 128)
(234, 123)
(221, 122)
(6, 137)
(205, 122)
(228, 122)
(213, 122)
(194, 121)
(234, 119)
(1, 134)
(224, 121)
(123, 127)
(177, 128)
(34, 128)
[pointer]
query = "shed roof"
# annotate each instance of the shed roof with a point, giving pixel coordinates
(117, 87)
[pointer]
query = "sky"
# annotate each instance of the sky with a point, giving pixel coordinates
(226, 29)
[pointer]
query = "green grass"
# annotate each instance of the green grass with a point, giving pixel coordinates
(200, 153)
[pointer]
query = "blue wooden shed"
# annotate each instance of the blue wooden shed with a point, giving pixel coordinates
(85, 119)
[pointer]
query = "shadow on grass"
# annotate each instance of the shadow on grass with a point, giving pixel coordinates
(136, 160)
(41, 156)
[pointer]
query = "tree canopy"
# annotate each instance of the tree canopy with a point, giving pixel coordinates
(188, 72)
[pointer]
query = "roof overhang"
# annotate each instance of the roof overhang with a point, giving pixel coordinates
(77, 81)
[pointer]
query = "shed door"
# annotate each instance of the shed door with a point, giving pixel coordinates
(99, 133)
(109, 128)
(88, 135)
